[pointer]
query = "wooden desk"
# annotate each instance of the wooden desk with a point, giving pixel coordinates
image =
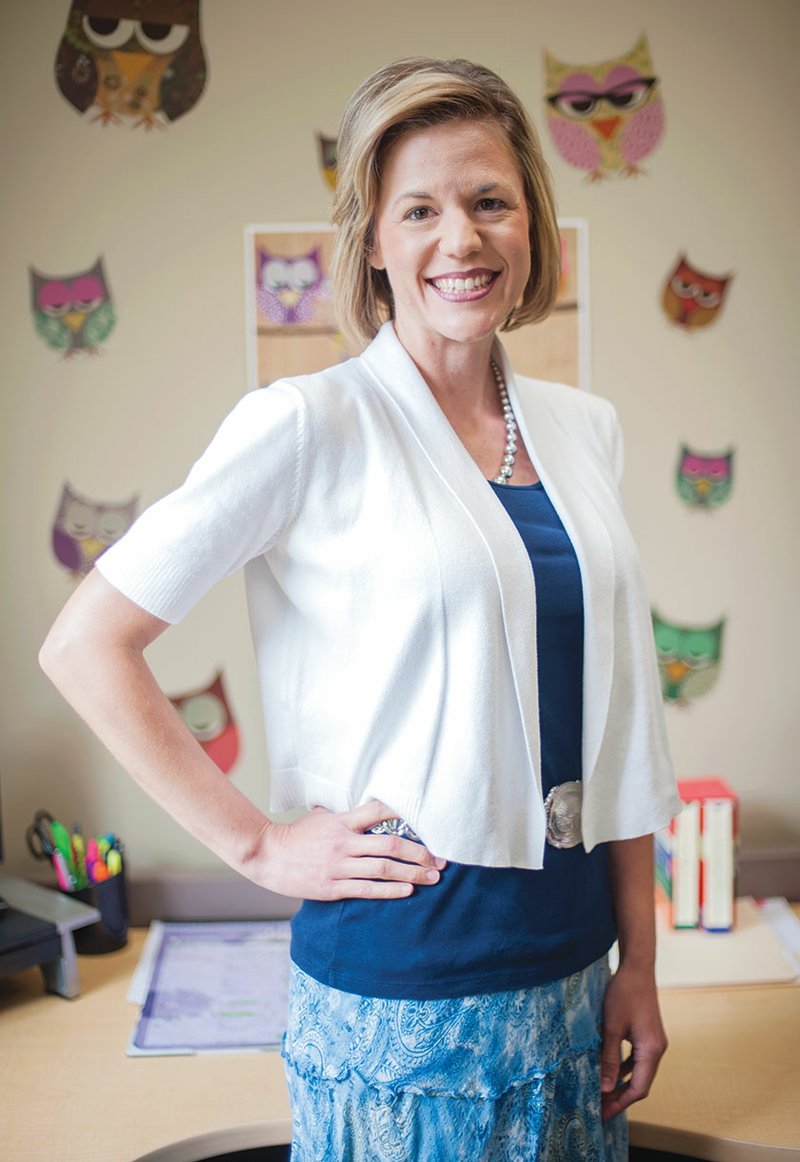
(67, 1088)
(728, 1090)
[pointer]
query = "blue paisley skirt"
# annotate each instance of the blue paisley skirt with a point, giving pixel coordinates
(496, 1077)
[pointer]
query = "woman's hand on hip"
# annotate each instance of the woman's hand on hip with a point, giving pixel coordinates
(326, 855)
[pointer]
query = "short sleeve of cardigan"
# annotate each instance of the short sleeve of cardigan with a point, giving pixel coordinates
(233, 505)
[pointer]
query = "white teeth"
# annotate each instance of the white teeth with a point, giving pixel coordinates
(459, 285)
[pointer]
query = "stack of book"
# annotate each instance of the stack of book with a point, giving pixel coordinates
(696, 856)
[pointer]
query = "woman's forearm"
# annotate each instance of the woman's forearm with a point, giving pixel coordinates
(632, 889)
(94, 656)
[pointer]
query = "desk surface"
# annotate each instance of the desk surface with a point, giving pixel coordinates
(731, 1078)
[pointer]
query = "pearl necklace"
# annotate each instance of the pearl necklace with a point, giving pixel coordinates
(507, 467)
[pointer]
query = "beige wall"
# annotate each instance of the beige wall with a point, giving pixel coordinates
(167, 210)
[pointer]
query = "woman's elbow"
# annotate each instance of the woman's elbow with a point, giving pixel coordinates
(58, 653)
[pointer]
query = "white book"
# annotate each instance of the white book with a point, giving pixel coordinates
(718, 842)
(686, 867)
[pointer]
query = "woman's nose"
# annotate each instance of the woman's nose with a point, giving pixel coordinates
(460, 235)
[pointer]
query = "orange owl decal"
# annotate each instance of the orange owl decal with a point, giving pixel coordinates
(605, 118)
(208, 715)
(692, 299)
(134, 61)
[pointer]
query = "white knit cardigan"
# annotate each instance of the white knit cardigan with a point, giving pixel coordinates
(392, 604)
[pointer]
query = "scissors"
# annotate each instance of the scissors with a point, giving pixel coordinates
(39, 836)
(48, 839)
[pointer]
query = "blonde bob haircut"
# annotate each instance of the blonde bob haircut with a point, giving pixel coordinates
(412, 94)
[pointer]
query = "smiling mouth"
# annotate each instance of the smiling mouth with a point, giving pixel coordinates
(467, 286)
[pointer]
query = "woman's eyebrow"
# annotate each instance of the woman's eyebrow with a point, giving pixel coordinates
(417, 195)
(422, 195)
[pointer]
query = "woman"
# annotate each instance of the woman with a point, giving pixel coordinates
(457, 665)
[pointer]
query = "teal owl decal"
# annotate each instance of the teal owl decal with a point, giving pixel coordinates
(72, 312)
(689, 658)
(704, 479)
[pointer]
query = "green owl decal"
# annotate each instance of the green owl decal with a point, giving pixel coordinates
(689, 658)
(704, 479)
(72, 313)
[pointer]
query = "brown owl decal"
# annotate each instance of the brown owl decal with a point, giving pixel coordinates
(138, 61)
(208, 715)
(692, 299)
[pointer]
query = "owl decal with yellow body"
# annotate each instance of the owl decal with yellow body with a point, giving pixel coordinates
(689, 658)
(704, 479)
(72, 312)
(328, 157)
(605, 118)
(83, 528)
(208, 715)
(692, 299)
(140, 62)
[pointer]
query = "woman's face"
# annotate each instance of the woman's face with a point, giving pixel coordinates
(451, 232)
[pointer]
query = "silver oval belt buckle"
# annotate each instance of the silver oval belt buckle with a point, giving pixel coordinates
(562, 811)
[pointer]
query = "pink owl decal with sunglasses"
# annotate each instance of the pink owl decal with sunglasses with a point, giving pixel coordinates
(607, 117)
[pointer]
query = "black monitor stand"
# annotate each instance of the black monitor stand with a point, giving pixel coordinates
(36, 927)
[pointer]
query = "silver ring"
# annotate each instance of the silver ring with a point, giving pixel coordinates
(562, 810)
(394, 827)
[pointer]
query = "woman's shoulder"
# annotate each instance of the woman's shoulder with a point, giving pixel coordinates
(321, 394)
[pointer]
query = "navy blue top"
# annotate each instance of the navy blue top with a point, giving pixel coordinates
(486, 929)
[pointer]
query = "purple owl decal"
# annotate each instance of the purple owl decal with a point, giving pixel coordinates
(83, 529)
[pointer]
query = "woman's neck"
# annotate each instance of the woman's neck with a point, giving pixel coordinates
(460, 378)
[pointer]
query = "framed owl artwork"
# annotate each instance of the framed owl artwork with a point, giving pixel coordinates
(138, 62)
(72, 313)
(606, 117)
(704, 480)
(291, 328)
(689, 658)
(208, 715)
(84, 528)
(691, 298)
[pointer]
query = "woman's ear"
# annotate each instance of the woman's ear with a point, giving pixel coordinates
(374, 258)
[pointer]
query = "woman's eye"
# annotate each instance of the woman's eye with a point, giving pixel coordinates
(488, 204)
(418, 214)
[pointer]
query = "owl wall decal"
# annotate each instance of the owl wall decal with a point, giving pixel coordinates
(83, 529)
(140, 61)
(704, 479)
(693, 299)
(689, 658)
(72, 312)
(327, 157)
(208, 715)
(607, 117)
(289, 289)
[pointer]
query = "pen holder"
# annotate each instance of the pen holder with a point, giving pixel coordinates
(111, 930)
